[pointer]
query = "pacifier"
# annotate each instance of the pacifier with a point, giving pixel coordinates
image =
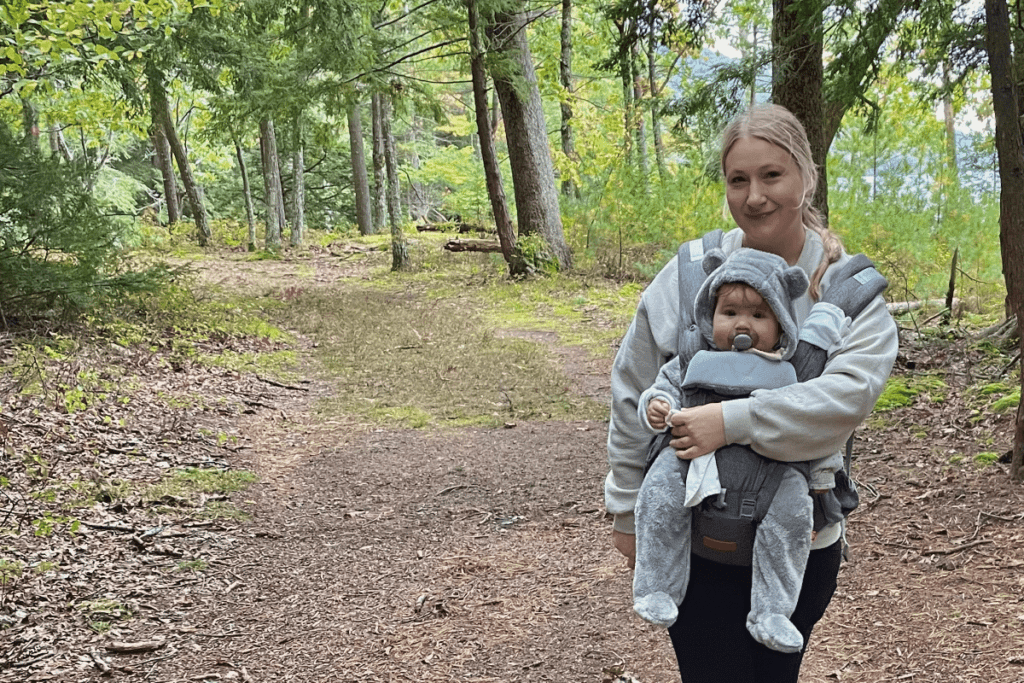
(742, 342)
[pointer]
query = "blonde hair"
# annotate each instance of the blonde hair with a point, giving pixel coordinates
(778, 126)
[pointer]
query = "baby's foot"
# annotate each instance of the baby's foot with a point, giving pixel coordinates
(657, 608)
(777, 632)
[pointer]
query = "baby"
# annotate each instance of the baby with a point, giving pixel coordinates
(744, 308)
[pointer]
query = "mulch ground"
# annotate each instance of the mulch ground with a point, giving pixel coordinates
(475, 555)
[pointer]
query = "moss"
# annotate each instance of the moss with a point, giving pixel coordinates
(1007, 403)
(986, 458)
(904, 391)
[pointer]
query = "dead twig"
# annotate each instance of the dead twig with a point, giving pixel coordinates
(951, 551)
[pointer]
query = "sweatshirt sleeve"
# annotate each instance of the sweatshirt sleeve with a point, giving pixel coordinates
(648, 344)
(813, 419)
(667, 387)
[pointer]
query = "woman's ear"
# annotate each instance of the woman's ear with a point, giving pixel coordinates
(795, 281)
(712, 260)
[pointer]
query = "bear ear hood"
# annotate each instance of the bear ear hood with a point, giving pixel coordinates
(774, 279)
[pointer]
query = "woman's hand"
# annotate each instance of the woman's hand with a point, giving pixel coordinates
(697, 431)
(625, 544)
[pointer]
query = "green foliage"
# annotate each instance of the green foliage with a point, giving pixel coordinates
(58, 254)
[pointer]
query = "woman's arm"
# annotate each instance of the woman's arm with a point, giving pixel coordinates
(651, 340)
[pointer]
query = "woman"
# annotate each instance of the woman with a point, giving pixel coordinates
(770, 178)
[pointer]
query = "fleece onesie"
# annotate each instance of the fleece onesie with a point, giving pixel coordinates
(673, 486)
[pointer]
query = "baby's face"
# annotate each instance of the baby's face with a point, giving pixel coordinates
(739, 309)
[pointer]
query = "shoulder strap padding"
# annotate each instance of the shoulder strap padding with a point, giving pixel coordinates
(691, 276)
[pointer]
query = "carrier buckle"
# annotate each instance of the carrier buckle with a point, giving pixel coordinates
(747, 506)
(720, 502)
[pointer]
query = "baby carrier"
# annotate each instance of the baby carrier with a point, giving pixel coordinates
(724, 526)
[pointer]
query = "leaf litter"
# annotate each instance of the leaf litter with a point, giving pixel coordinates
(476, 554)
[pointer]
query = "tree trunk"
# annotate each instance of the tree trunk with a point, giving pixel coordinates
(655, 100)
(569, 188)
(380, 206)
(192, 190)
(271, 185)
(950, 121)
(162, 153)
(492, 169)
(1010, 144)
(399, 249)
(639, 121)
(533, 175)
(798, 77)
(250, 213)
(299, 193)
(416, 196)
(625, 74)
(360, 183)
(58, 145)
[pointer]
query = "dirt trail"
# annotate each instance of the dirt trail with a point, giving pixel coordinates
(478, 555)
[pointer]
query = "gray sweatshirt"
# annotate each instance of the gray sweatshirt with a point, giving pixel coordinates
(803, 421)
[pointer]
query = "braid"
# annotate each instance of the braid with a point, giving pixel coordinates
(831, 242)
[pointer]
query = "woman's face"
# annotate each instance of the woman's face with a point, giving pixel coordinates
(765, 193)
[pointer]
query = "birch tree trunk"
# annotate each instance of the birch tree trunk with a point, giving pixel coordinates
(299, 193)
(380, 205)
(1010, 145)
(360, 183)
(655, 102)
(271, 185)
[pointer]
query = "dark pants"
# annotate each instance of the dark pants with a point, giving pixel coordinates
(710, 636)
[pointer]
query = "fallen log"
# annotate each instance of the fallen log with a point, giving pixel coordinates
(906, 306)
(472, 245)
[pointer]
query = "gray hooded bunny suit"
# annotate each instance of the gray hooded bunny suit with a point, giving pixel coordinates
(672, 486)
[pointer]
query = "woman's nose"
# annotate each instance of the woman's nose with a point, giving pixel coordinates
(755, 195)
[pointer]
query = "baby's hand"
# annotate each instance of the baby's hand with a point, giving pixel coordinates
(657, 413)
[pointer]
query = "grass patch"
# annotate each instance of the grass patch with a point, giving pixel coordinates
(182, 483)
(413, 360)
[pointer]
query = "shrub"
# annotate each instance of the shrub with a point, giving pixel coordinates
(59, 254)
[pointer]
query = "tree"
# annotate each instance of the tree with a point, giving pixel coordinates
(492, 171)
(162, 114)
(798, 77)
(569, 187)
(360, 183)
(165, 164)
(274, 202)
(299, 181)
(533, 175)
(1010, 145)
(380, 200)
(399, 248)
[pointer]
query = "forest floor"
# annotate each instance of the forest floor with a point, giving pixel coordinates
(368, 552)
